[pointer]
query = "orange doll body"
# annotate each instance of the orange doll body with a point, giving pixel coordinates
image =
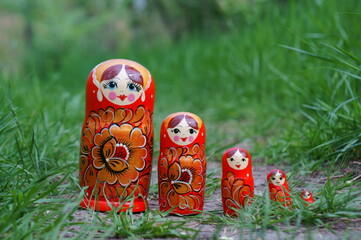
(307, 196)
(182, 164)
(117, 136)
(278, 187)
(237, 186)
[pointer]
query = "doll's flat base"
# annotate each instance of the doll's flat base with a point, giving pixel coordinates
(104, 206)
(186, 212)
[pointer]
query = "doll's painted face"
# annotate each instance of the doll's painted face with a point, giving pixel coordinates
(238, 161)
(278, 179)
(305, 194)
(122, 84)
(182, 130)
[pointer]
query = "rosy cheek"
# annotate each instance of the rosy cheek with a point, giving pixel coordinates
(191, 138)
(112, 96)
(176, 138)
(131, 97)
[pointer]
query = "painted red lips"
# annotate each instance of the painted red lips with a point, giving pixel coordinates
(184, 139)
(238, 166)
(122, 97)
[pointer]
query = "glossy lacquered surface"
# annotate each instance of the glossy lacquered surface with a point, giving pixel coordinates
(117, 136)
(237, 185)
(182, 164)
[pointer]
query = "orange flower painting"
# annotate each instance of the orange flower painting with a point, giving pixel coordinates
(114, 161)
(139, 190)
(235, 193)
(119, 154)
(182, 182)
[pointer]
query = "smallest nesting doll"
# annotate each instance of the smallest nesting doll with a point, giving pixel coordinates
(307, 196)
(278, 187)
(182, 164)
(237, 186)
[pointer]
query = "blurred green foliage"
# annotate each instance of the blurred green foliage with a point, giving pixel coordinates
(64, 36)
(253, 64)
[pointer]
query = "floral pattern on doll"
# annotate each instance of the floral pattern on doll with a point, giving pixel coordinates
(138, 190)
(113, 151)
(182, 181)
(235, 192)
(119, 153)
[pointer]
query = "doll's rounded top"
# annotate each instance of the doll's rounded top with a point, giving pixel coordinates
(118, 82)
(182, 128)
(277, 177)
(306, 194)
(237, 159)
(111, 68)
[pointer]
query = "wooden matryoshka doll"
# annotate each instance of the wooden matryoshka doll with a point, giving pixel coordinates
(237, 186)
(117, 136)
(307, 196)
(182, 164)
(278, 187)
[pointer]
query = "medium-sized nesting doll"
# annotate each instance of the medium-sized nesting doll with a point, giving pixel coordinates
(117, 136)
(307, 196)
(278, 187)
(182, 164)
(237, 186)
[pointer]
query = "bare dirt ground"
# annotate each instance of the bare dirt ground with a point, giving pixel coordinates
(342, 230)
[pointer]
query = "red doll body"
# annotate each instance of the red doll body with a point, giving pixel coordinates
(117, 136)
(237, 185)
(182, 164)
(307, 196)
(278, 187)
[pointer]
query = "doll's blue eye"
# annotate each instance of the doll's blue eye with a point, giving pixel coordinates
(132, 87)
(112, 85)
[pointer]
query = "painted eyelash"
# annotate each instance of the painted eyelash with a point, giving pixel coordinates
(106, 83)
(138, 87)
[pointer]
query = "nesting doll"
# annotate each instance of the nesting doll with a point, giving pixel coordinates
(182, 164)
(117, 136)
(307, 196)
(278, 187)
(237, 184)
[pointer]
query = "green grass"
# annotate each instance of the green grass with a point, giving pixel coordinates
(284, 80)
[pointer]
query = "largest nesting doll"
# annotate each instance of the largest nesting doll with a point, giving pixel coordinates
(117, 136)
(182, 164)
